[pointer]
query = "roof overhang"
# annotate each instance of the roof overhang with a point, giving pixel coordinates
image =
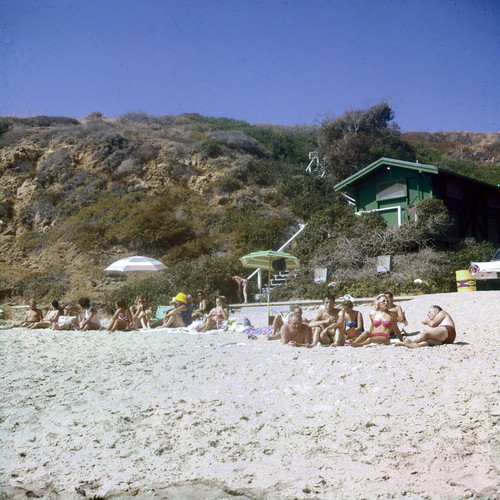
(421, 167)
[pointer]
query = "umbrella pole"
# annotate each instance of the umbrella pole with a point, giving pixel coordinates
(136, 283)
(268, 292)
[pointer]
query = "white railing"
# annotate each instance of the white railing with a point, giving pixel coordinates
(397, 207)
(258, 272)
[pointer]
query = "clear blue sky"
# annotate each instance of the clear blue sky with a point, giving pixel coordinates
(270, 61)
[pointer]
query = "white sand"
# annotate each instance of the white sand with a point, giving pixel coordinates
(167, 414)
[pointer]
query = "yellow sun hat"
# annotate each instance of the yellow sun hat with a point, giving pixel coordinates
(181, 297)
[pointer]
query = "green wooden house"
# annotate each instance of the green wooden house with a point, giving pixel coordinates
(391, 186)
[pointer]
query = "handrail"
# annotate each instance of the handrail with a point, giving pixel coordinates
(302, 226)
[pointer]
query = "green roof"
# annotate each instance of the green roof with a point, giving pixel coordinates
(385, 161)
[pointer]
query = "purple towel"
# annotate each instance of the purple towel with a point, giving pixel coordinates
(265, 330)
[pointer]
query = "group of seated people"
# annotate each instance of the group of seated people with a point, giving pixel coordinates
(338, 327)
(181, 313)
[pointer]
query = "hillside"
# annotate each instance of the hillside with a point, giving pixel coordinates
(77, 195)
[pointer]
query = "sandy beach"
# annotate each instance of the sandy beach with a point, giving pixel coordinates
(169, 414)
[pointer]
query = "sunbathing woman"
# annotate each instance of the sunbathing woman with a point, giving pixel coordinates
(352, 319)
(90, 319)
(216, 317)
(141, 313)
(203, 305)
(122, 319)
(384, 322)
(68, 320)
(50, 318)
(398, 310)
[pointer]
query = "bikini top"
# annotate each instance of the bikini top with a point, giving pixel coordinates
(352, 324)
(386, 323)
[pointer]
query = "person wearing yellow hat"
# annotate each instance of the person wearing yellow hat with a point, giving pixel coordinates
(179, 316)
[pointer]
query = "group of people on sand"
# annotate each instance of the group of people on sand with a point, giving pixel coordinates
(182, 313)
(338, 327)
(57, 317)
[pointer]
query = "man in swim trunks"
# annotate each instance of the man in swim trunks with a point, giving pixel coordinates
(33, 315)
(296, 333)
(441, 331)
(326, 326)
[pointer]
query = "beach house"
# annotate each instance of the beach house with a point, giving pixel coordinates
(391, 186)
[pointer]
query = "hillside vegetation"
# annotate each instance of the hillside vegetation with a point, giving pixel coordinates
(199, 192)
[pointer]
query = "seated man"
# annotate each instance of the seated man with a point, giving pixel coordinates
(296, 333)
(326, 326)
(441, 331)
(32, 316)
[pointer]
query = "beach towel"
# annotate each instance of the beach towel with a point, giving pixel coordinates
(265, 330)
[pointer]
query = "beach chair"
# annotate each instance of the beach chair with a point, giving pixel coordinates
(160, 313)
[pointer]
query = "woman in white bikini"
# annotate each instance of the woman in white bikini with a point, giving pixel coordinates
(90, 319)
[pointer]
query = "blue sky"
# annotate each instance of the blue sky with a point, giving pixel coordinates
(270, 61)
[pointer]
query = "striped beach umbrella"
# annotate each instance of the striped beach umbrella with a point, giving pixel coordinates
(136, 264)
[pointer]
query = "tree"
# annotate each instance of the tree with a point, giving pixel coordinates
(359, 137)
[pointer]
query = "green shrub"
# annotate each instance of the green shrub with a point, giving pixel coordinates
(226, 185)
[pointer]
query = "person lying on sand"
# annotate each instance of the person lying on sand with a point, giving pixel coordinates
(441, 331)
(216, 317)
(68, 320)
(33, 315)
(281, 319)
(122, 319)
(383, 323)
(398, 310)
(50, 318)
(296, 333)
(352, 320)
(326, 326)
(90, 319)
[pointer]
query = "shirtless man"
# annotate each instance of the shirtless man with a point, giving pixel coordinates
(326, 326)
(441, 331)
(296, 333)
(281, 319)
(33, 315)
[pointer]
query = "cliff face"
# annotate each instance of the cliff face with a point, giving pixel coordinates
(481, 149)
(76, 195)
(51, 175)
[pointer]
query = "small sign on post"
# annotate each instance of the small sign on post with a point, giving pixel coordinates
(320, 275)
(384, 264)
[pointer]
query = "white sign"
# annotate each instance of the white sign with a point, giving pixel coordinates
(320, 275)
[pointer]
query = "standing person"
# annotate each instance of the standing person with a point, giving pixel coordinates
(122, 319)
(353, 320)
(327, 319)
(50, 318)
(296, 333)
(33, 315)
(441, 331)
(90, 319)
(398, 310)
(203, 305)
(242, 288)
(383, 323)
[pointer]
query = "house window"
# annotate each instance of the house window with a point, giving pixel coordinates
(390, 190)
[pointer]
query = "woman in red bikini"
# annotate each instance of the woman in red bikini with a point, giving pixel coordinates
(384, 322)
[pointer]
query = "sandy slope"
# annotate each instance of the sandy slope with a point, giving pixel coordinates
(167, 414)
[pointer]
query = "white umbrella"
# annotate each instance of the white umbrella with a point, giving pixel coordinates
(136, 264)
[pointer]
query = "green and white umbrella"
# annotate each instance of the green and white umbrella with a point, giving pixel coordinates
(264, 260)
